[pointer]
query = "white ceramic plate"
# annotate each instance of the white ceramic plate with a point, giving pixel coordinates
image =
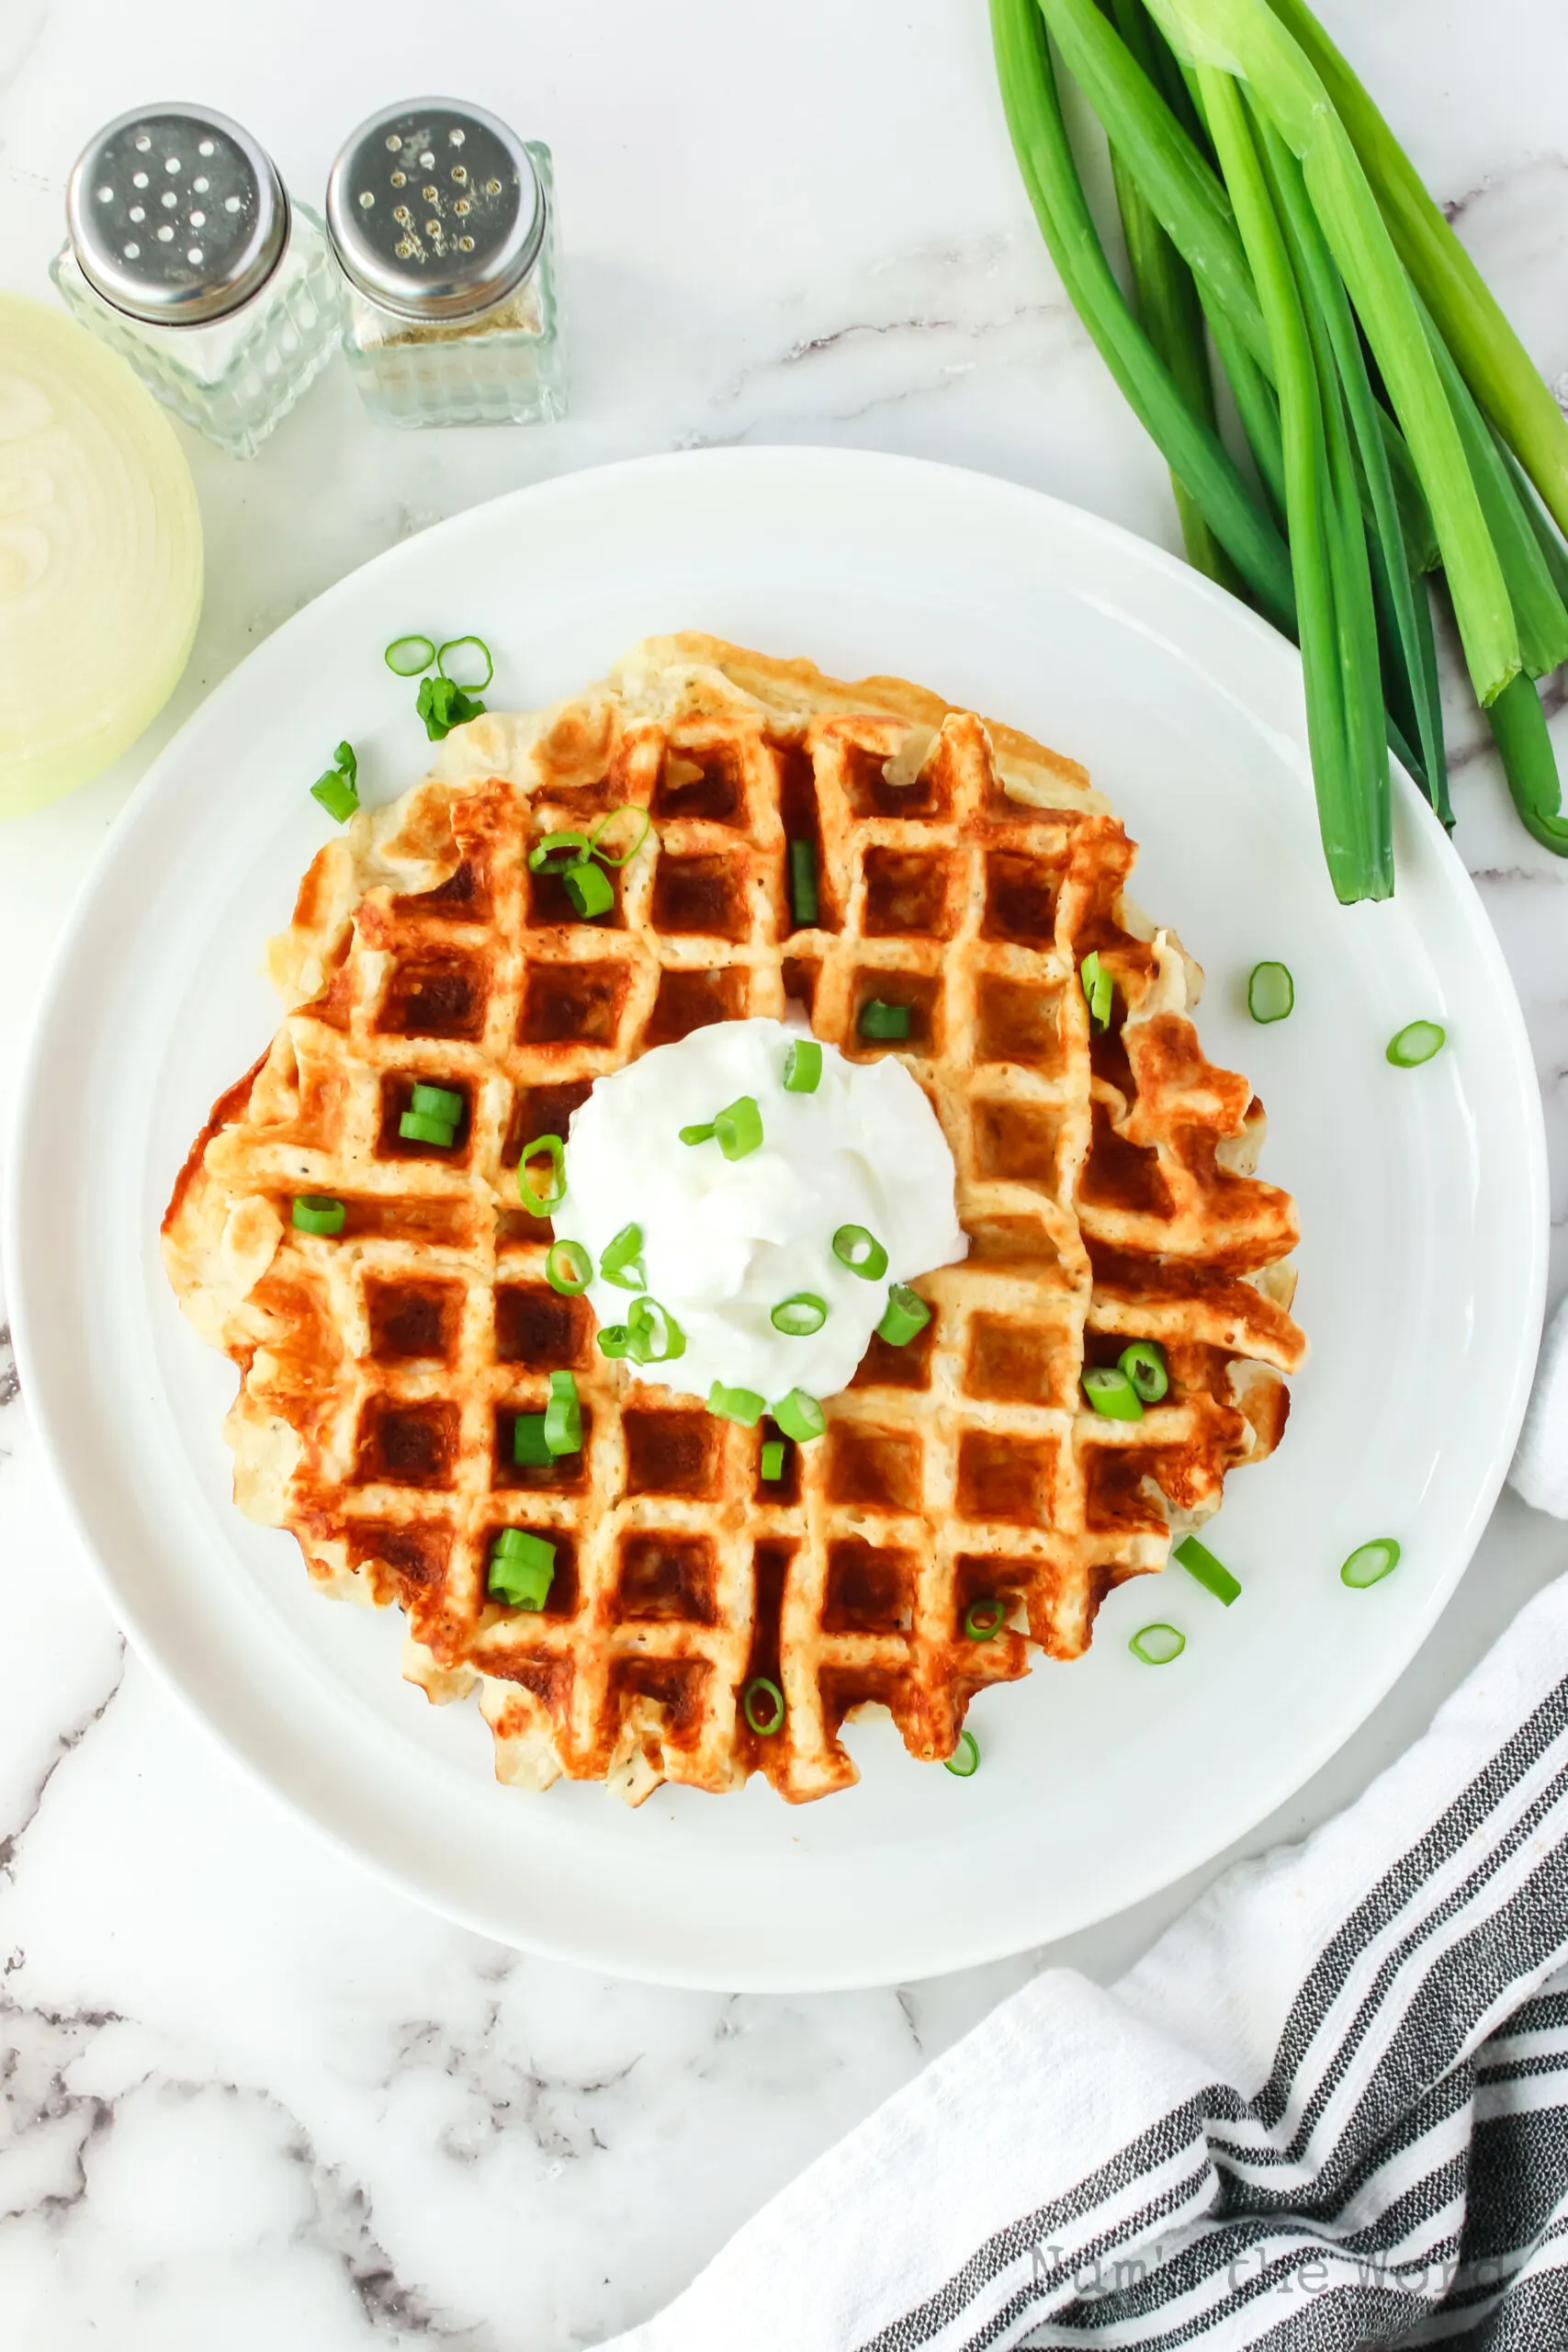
(1421, 1201)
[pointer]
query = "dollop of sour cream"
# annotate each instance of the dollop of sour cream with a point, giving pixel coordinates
(724, 1241)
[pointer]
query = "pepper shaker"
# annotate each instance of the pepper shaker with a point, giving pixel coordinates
(186, 255)
(443, 223)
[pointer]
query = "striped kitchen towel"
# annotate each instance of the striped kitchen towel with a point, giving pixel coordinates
(1329, 2109)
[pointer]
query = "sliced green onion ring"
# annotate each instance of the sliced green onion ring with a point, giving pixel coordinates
(653, 1336)
(567, 1268)
(861, 1251)
(1370, 1563)
(317, 1212)
(804, 903)
(1098, 989)
(596, 838)
(530, 1449)
(407, 656)
(521, 1568)
(739, 1127)
(544, 857)
(905, 1314)
(1142, 1361)
(799, 1315)
(436, 1103)
(800, 1416)
(1271, 992)
(762, 1698)
(1417, 1042)
(590, 889)
(439, 1132)
(1110, 1393)
(773, 1459)
(542, 1203)
(1213, 1575)
(885, 1022)
(622, 1261)
(563, 1415)
(742, 1404)
(984, 1620)
(469, 685)
(615, 1341)
(965, 1760)
(337, 795)
(803, 1066)
(1157, 1644)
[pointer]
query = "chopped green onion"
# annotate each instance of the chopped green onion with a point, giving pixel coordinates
(653, 1336)
(1271, 992)
(803, 900)
(590, 889)
(443, 705)
(563, 1415)
(317, 1212)
(530, 1449)
(595, 839)
(699, 1134)
(336, 795)
(567, 1268)
(436, 1103)
(520, 1571)
(545, 857)
(764, 1699)
(739, 1127)
(1157, 1644)
(800, 1416)
(542, 1203)
(622, 1261)
(615, 1341)
(346, 762)
(803, 1067)
(1111, 1392)
(984, 1620)
(861, 1251)
(440, 1132)
(965, 1760)
(773, 1459)
(469, 685)
(1098, 989)
(799, 1315)
(1415, 1043)
(407, 656)
(742, 1404)
(880, 1020)
(905, 1314)
(1212, 1574)
(1370, 1563)
(1143, 1362)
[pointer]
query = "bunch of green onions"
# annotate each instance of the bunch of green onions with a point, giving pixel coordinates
(1394, 426)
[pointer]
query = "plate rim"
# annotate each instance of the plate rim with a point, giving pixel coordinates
(28, 1289)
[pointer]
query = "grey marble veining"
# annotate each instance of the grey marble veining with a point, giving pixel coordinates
(246, 2094)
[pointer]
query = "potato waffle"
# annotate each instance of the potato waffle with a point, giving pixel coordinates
(1104, 1181)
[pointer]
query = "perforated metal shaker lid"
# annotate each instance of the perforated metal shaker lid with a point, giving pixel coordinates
(434, 209)
(176, 215)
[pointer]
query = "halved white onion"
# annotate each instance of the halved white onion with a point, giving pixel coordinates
(100, 555)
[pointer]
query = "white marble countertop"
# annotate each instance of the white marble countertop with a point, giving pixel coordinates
(247, 2096)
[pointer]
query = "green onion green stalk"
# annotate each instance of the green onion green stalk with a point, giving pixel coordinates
(1393, 425)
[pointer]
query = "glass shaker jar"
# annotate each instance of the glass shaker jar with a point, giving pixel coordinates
(186, 255)
(443, 222)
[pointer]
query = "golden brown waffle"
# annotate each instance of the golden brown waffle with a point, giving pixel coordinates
(1104, 1183)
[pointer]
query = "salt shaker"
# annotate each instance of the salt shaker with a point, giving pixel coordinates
(443, 222)
(188, 256)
